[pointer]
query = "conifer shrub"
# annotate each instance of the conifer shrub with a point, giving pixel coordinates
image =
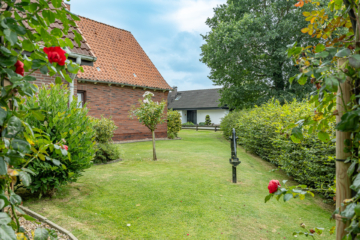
(265, 131)
(174, 123)
(207, 120)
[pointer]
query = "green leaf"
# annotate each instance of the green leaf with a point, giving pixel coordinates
(15, 199)
(25, 178)
(44, 69)
(322, 54)
(78, 38)
(21, 145)
(319, 48)
(29, 78)
(17, 28)
(29, 218)
(4, 219)
(57, 32)
(349, 122)
(268, 197)
(357, 210)
(349, 211)
(356, 183)
(302, 80)
(13, 127)
(351, 169)
(2, 203)
(3, 115)
(8, 61)
(297, 132)
(11, 36)
(343, 53)
(331, 83)
(41, 233)
(5, 51)
(7, 233)
(56, 162)
(58, 80)
(287, 197)
(28, 45)
(3, 167)
(69, 43)
(324, 136)
(354, 61)
(37, 63)
(38, 115)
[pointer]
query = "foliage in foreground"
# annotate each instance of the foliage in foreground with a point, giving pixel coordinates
(174, 123)
(64, 125)
(150, 114)
(261, 130)
(246, 51)
(20, 144)
(105, 150)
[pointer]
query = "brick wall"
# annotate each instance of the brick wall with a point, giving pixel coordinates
(115, 101)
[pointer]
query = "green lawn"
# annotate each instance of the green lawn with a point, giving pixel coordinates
(186, 194)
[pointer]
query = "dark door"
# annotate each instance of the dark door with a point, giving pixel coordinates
(191, 116)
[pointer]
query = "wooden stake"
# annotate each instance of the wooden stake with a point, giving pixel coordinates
(342, 180)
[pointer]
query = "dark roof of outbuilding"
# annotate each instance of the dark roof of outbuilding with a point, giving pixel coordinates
(195, 99)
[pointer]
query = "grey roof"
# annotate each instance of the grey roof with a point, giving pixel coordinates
(194, 99)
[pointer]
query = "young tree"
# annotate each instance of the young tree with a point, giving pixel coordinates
(24, 29)
(150, 114)
(246, 51)
(207, 120)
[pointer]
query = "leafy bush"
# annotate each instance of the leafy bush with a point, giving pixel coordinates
(207, 120)
(66, 126)
(104, 128)
(202, 124)
(264, 131)
(106, 150)
(174, 123)
(188, 124)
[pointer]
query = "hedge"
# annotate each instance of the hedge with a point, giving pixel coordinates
(263, 131)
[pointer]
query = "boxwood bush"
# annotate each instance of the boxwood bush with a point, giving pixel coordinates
(173, 123)
(65, 125)
(264, 131)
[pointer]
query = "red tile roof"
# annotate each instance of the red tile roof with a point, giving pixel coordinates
(120, 58)
(84, 49)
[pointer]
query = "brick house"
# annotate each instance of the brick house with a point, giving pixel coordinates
(117, 72)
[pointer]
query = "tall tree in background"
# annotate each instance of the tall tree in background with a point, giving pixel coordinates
(246, 50)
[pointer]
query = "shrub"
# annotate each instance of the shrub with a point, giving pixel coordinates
(104, 128)
(202, 124)
(188, 124)
(263, 131)
(64, 125)
(106, 150)
(174, 123)
(207, 120)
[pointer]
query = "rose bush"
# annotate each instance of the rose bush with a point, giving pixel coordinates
(55, 55)
(273, 186)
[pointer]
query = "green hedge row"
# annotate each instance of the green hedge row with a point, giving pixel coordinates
(261, 130)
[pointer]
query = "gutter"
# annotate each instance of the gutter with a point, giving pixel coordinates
(124, 85)
(77, 55)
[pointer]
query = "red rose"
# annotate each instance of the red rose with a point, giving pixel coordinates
(19, 68)
(65, 147)
(273, 186)
(55, 54)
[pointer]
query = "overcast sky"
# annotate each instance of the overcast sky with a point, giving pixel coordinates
(168, 30)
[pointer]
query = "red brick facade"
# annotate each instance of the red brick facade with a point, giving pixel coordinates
(115, 101)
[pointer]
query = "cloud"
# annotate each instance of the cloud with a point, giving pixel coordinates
(190, 15)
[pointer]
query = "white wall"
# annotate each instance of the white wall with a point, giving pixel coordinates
(215, 115)
(183, 115)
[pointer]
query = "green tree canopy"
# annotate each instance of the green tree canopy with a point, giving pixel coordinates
(246, 50)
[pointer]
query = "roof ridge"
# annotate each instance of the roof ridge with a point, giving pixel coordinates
(103, 23)
(200, 89)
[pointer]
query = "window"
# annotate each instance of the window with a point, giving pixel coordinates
(81, 98)
(178, 97)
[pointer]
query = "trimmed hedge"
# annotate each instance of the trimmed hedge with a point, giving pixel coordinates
(262, 130)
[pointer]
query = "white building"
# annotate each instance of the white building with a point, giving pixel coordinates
(194, 105)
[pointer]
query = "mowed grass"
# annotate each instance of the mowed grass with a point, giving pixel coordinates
(186, 194)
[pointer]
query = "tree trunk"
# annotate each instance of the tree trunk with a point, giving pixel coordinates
(342, 180)
(154, 149)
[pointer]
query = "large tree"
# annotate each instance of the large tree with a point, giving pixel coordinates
(246, 50)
